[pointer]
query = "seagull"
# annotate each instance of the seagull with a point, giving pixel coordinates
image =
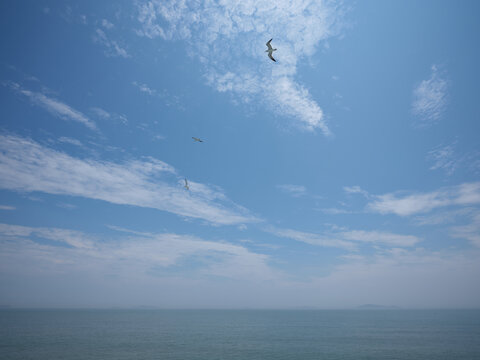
(186, 184)
(197, 139)
(270, 50)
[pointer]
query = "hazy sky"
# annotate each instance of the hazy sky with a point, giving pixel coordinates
(348, 172)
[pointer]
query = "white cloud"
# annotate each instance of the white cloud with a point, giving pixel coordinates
(7, 207)
(293, 190)
(54, 106)
(294, 100)
(176, 271)
(430, 98)
(405, 205)
(229, 39)
(346, 239)
(112, 47)
(140, 253)
(28, 166)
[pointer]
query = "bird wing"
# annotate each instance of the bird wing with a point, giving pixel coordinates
(271, 56)
(268, 44)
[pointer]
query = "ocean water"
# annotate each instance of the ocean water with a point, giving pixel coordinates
(239, 334)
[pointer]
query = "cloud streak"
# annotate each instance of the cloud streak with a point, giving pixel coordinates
(28, 166)
(54, 106)
(348, 240)
(7, 207)
(221, 33)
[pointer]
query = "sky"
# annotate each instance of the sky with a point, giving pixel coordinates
(345, 173)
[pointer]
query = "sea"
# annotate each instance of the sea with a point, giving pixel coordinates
(239, 334)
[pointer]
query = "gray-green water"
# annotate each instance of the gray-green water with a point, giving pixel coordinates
(239, 334)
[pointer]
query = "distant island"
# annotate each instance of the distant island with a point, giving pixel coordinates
(378, 307)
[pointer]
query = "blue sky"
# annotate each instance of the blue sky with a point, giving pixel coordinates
(348, 172)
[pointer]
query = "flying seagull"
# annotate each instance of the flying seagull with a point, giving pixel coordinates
(270, 50)
(186, 184)
(197, 139)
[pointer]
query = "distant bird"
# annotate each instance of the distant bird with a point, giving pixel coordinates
(197, 139)
(186, 184)
(270, 50)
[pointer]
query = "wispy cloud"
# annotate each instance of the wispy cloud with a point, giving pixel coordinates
(346, 239)
(449, 159)
(470, 231)
(430, 98)
(112, 47)
(145, 89)
(443, 157)
(355, 190)
(443, 217)
(405, 205)
(168, 99)
(242, 29)
(73, 238)
(103, 114)
(28, 166)
(54, 106)
(311, 238)
(334, 211)
(140, 253)
(293, 190)
(379, 237)
(107, 24)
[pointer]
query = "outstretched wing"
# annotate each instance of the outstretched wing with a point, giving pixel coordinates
(268, 44)
(271, 56)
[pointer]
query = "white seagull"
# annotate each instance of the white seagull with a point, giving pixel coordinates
(186, 184)
(197, 139)
(270, 50)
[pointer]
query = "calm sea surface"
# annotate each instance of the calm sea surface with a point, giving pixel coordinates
(239, 334)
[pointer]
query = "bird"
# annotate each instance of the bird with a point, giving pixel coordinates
(186, 184)
(270, 50)
(197, 139)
